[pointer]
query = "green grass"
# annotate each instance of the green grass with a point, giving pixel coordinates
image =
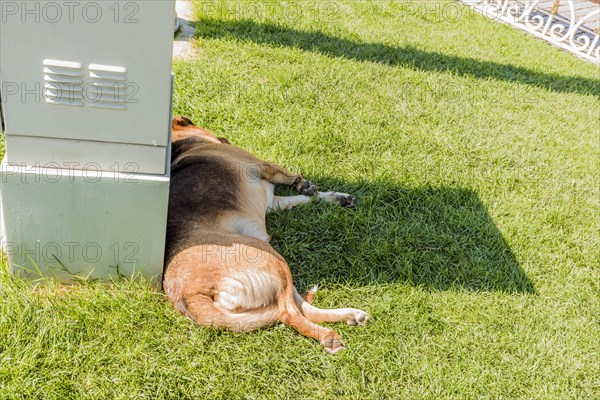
(474, 152)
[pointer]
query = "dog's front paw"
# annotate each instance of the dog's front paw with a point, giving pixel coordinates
(357, 317)
(341, 199)
(307, 188)
(345, 200)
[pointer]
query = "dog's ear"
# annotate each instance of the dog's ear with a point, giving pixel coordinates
(223, 140)
(180, 120)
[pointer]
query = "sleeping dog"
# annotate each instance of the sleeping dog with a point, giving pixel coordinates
(220, 270)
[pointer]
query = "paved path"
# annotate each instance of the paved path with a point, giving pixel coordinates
(582, 8)
(183, 46)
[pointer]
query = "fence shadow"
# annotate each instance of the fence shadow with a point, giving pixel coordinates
(441, 238)
(407, 56)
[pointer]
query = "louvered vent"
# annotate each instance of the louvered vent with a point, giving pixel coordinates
(108, 86)
(63, 84)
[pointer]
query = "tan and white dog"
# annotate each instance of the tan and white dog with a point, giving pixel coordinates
(220, 270)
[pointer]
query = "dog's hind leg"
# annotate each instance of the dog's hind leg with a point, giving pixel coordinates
(290, 314)
(351, 316)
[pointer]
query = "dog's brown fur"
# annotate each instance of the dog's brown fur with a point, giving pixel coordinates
(220, 270)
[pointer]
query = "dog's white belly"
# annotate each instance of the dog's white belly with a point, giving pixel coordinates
(248, 290)
(248, 226)
(252, 221)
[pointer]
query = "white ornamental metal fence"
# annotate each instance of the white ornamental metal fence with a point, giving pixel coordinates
(573, 25)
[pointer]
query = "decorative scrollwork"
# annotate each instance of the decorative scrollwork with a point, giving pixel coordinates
(564, 25)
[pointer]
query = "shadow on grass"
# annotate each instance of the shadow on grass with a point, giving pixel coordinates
(407, 56)
(441, 238)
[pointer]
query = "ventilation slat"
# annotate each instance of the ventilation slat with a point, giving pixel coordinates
(62, 71)
(61, 94)
(62, 64)
(63, 86)
(105, 92)
(107, 76)
(64, 102)
(107, 68)
(110, 84)
(62, 79)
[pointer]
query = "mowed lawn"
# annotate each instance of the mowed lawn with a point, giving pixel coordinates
(474, 153)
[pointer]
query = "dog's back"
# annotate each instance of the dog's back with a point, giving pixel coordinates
(203, 188)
